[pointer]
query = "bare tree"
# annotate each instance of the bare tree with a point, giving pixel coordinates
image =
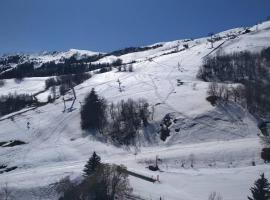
(212, 89)
(215, 196)
(41, 193)
(63, 185)
(6, 192)
(107, 182)
(117, 180)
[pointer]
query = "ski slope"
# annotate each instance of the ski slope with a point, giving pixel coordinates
(25, 86)
(222, 140)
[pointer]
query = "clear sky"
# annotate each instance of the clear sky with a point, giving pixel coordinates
(106, 25)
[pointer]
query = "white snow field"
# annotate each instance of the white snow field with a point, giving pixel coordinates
(222, 141)
(27, 85)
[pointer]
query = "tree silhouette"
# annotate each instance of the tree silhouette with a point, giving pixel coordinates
(92, 165)
(261, 189)
(93, 112)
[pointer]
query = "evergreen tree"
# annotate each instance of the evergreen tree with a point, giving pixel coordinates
(261, 189)
(93, 112)
(92, 165)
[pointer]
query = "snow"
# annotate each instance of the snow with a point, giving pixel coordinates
(49, 57)
(40, 58)
(222, 140)
(26, 86)
(254, 42)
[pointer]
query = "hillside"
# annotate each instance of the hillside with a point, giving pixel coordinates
(222, 140)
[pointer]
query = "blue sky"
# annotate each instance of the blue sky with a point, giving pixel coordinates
(106, 25)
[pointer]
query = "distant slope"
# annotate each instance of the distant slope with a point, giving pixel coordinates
(222, 140)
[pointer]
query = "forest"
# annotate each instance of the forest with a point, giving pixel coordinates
(250, 70)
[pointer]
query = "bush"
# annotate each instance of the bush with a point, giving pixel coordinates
(164, 132)
(49, 99)
(164, 127)
(212, 100)
(185, 46)
(104, 69)
(117, 62)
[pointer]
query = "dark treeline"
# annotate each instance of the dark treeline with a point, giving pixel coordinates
(7, 60)
(10, 59)
(68, 80)
(86, 59)
(72, 65)
(51, 69)
(120, 122)
(4, 68)
(252, 70)
(14, 102)
(237, 67)
(133, 49)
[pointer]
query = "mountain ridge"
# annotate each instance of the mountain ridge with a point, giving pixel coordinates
(210, 148)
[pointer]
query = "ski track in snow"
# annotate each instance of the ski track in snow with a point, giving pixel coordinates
(223, 137)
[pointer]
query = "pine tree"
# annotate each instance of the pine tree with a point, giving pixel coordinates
(92, 164)
(93, 112)
(261, 189)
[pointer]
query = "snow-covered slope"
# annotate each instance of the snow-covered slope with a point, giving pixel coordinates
(46, 57)
(27, 85)
(57, 56)
(221, 140)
